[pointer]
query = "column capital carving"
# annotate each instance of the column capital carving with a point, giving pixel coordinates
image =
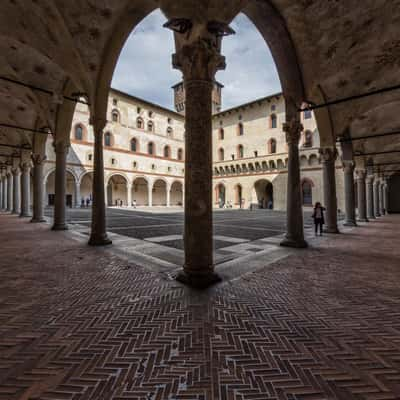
(98, 124)
(328, 154)
(16, 171)
(293, 129)
(61, 147)
(348, 166)
(25, 166)
(38, 159)
(361, 173)
(198, 61)
(370, 179)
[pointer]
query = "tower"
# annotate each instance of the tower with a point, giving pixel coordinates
(179, 97)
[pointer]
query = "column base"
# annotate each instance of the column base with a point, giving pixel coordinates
(99, 240)
(371, 217)
(297, 244)
(350, 223)
(59, 227)
(198, 281)
(331, 229)
(37, 220)
(25, 215)
(362, 220)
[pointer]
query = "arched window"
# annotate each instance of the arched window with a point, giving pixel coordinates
(180, 154)
(221, 134)
(306, 189)
(139, 123)
(108, 139)
(272, 146)
(167, 152)
(240, 151)
(308, 139)
(78, 132)
(150, 126)
(150, 148)
(134, 145)
(115, 116)
(240, 129)
(170, 132)
(274, 121)
(221, 155)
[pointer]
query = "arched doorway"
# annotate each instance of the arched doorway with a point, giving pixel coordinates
(159, 193)
(264, 193)
(239, 196)
(140, 192)
(51, 190)
(220, 192)
(117, 193)
(86, 189)
(306, 191)
(176, 198)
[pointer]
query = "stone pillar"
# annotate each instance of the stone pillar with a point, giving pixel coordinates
(348, 167)
(77, 195)
(370, 197)
(38, 188)
(25, 189)
(376, 198)
(199, 60)
(294, 218)
(9, 192)
(150, 193)
(16, 191)
(1, 192)
(381, 199)
(168, 195)
(61, 151)
(129, 194)
(98, 236)
(4, 184)
(328, 157)
(362, 206)
(386, 196)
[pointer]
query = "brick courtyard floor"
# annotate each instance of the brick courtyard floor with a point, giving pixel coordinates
(81, 323)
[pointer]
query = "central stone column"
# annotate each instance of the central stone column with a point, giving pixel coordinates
(77, 195)
(381, 199)
(16, 191)
(294, 219)
(362, 206)
(370, 197)
(61, 150)
(199, 61)
(38, 188)
(348, 167)
(386, 196)
(98, 236)
(9, 192)
(4, 185)
(25, 189)
(328, 157)
(376, 197)
(1, 193)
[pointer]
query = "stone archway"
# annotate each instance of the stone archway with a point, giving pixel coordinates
(69, 191)
(264, 194)
(239, 195)
(159, 193)
(86, 188)
(140, 192)
(220, 195)
(176, 198)
(117, 191)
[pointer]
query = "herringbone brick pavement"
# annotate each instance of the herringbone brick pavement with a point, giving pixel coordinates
(79, 323)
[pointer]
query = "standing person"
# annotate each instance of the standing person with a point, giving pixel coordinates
(87, 202)
(134, 203)
(82, 203)
(318, 216)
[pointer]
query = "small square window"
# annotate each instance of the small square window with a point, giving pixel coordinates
(134, 165)
(150, 114)
(115, 102)
(256, 154)
(138, 110)
(90, 157)
(240, 117)
(169, 169)
(169, 120)
(273, 107)
(113, 161)
(153, 166)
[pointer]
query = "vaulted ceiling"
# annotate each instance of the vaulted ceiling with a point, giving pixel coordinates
(324, 50)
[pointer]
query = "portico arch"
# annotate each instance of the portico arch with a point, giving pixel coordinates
(70, 188)
(176, 198)
(220, 195)
(264, 193)
(117, 190)
(140, 191)
(86, 188)
(238, 195)
(160, 192)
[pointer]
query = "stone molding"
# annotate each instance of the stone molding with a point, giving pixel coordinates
(328, 154)
(292, 129)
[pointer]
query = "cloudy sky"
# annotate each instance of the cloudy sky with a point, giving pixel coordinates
(144, 68)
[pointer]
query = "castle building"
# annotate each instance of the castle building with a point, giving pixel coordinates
(144, 154)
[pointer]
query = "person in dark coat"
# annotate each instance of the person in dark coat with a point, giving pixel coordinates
(318, 216)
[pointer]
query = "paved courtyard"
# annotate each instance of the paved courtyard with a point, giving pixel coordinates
(82, 323)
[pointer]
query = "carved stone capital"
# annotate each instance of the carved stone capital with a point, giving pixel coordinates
(328, 154)
(98, 124)
(369, 179)
(199, 60)
(293, 129)
(25, 167)
(61, 147)
(16, 171)
(348, 166)
(38, 159)
(361, 173)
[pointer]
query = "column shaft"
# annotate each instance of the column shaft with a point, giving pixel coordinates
(5, 193)
(25, 190)
(370, 197)
(9, 192)
(98, 235)
(329, 156)
(16, 191)
(168, 196)
(38, 189)
(376, 198)
(150, 194)
(129, 194)
(1, 193)
(77, 195)
(349, 193)
(61, 150)
(381, 199)
(361, 188)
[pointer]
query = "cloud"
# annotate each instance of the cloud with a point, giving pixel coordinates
(145, 68)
